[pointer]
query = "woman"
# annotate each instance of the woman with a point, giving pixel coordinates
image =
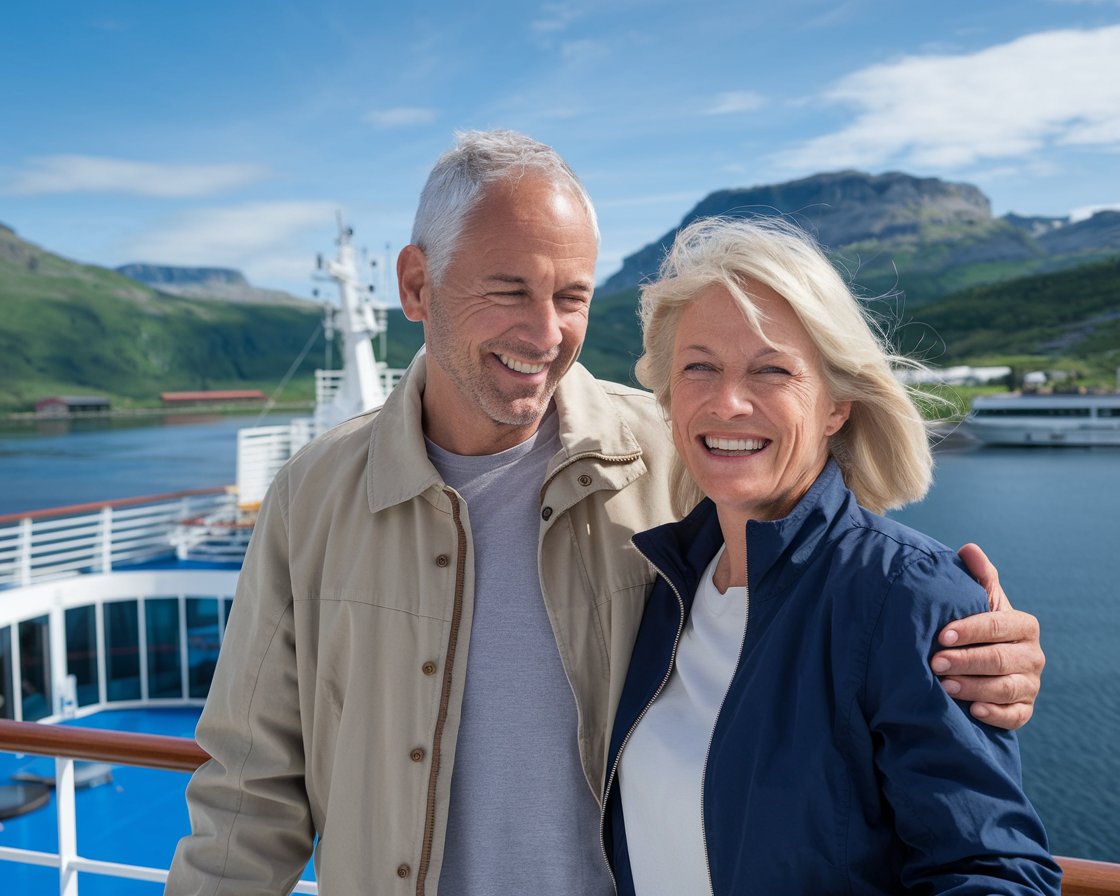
(780, 731)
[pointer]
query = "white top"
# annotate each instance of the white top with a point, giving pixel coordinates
(662, 769)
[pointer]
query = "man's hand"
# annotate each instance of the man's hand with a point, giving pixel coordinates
(996, 659)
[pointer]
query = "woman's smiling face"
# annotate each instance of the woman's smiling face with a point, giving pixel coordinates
(750, 412)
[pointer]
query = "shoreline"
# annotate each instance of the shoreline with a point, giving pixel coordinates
(125, 413)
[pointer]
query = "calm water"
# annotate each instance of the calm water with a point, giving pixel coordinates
(54, 463)
(1049, 518)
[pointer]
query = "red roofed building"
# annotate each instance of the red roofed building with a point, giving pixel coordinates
(211, 396)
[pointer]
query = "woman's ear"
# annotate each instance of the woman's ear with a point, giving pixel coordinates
(837, 417)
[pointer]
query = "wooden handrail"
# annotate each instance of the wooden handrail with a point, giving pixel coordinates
(1080, 877)
(122, 747)
(73, 509)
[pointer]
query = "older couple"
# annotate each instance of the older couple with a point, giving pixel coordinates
(436, 612)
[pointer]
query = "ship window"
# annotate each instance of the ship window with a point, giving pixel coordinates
(34, 668)
(81, 653)
(122, 650)
(8, 706)
(164, 669)
(1108, 412)
(202, 643)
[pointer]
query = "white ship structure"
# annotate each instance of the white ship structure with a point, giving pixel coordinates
(1055, 419)
(122, 606)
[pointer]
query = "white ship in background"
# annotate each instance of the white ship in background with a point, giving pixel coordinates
(1055, 419)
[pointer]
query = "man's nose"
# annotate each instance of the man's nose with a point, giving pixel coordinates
(542, 325)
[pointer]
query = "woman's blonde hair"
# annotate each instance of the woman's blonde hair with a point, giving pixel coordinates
(883, 449)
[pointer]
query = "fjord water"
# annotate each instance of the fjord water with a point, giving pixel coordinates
(1048, 517)
(52, 463)
(1050, 520)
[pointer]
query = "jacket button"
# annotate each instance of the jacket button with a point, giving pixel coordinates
(429, 668)
(546, 513)
(417, 755)
(584, 479)
(443, 560)
(403, 871)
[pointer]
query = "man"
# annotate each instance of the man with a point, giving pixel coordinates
(438, 605)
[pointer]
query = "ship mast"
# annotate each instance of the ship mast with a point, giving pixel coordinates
(359, 385)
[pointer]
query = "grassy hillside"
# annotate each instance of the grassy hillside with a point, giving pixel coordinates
(74, 329)
(68, 328)
(1068, 319)
(1062, 320)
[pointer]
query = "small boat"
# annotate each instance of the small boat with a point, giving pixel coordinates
(1054, 419)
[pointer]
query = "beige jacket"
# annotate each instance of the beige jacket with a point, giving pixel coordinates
(336, 702)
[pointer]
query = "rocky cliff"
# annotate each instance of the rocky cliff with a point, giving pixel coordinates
(914, 230)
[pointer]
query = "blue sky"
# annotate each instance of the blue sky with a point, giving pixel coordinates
(229, 133)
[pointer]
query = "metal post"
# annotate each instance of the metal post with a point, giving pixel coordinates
(67, 826)
(25, 534)
(106, 539)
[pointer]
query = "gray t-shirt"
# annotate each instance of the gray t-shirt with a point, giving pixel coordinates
(522, 819)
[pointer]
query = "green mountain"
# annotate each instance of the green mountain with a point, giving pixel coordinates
(924, 237)
(1069, 318)
(70, 328)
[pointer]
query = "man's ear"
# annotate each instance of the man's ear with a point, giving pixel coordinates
(413, 282)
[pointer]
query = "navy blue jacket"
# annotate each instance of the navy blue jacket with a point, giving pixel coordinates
(838, 763)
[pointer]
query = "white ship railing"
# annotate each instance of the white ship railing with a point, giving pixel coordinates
(52, 600)
(100, 537)
(263, 450)
(118, 747)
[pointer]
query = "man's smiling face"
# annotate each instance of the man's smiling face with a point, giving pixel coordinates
(509, 316)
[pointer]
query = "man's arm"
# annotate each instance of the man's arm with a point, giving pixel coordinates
(995, 658)
(251, 827)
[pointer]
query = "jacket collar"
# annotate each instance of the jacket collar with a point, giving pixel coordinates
(590, 426)
(682, 551)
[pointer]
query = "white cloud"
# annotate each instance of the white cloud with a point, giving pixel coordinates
(735, 101)
(401, 117)
(944, 112)
(265, 240)
(556, 17)
(1086, 212)
(94, 174)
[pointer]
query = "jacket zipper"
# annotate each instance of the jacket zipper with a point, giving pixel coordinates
(711, 739)
(445, 696)
(641, 715)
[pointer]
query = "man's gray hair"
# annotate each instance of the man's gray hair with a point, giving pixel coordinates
(459, 180)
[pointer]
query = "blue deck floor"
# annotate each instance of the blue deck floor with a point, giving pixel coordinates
(137, 818)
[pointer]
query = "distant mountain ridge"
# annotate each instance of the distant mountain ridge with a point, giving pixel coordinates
(1043, 287)
(225, 284)
(73, 328)
(925, 236)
